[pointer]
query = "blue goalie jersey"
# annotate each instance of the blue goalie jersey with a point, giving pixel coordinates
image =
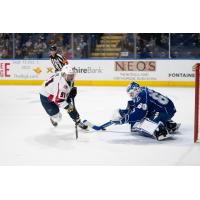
(148, 104)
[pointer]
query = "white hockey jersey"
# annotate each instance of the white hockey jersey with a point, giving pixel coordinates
(57, 89)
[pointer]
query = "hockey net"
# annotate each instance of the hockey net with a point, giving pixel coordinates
(197, 101)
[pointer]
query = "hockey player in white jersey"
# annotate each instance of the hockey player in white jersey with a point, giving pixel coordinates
(57, 92)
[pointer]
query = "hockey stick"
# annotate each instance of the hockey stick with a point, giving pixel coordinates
(98, 128)
(76, 129)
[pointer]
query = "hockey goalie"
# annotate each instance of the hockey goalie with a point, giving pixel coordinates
(148, 112)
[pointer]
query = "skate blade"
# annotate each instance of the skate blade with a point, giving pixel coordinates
(53, 123)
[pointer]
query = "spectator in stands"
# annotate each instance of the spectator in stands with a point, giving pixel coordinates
(83, 49)
(39, 47)
(0, 52)
(4, 53)
(29, 44)
(69, 53)
(5, 45)
(18, 54)
(148, 45)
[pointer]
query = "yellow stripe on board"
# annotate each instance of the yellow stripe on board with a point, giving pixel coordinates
(104, 83)
(142, 83)
(21, 82)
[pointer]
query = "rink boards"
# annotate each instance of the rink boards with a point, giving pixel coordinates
(103, 72)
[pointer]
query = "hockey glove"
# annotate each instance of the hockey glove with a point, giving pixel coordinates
(123, 112)
(69, 108)
(73, 92)
(72, 112)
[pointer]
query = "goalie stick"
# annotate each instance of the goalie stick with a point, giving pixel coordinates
(98, 128)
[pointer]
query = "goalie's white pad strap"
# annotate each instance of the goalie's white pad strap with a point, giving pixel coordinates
(147, 126)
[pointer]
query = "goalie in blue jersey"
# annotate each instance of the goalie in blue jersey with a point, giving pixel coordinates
(148, 112)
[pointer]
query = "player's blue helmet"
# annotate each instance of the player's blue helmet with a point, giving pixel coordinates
(132, 86)
(133, 89)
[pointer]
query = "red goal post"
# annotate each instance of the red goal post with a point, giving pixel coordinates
(197, 101)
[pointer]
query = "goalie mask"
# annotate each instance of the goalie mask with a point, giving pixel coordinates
(133, 90)
(68, 72)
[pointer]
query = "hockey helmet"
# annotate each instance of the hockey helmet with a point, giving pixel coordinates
(132, 86)
(53, 48)
(133, 89)
(68, 72)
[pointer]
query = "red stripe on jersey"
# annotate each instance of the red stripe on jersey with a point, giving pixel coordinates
(50, 97)
(57, 99)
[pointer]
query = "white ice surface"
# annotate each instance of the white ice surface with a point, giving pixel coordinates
(28, 138)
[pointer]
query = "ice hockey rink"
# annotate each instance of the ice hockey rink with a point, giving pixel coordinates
(28, 138)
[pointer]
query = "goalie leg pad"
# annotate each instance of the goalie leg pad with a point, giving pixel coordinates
(146, 127)
(151, 129)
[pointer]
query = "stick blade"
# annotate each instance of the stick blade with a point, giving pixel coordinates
(89, 124)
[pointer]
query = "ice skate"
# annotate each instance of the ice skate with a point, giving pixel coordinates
(162, 133)
(172, 126)
(53, 122)
(81, 125)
